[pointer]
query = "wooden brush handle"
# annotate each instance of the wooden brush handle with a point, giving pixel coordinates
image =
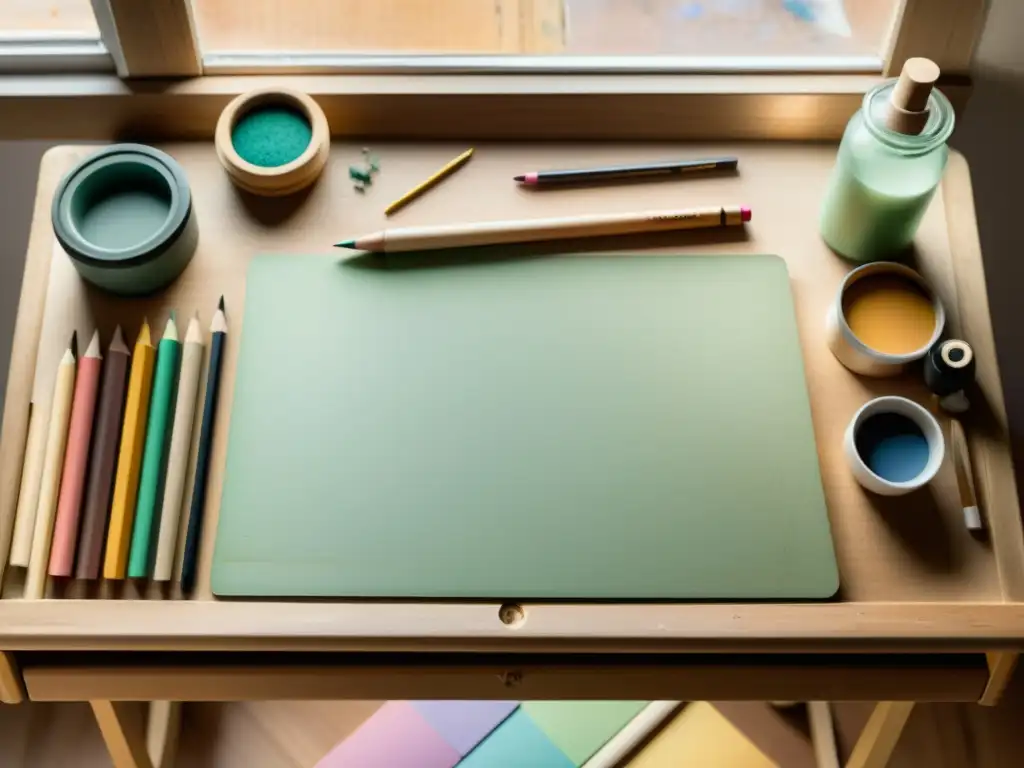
(964, 474)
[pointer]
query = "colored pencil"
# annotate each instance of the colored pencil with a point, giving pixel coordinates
(129, 456)
(497, 232)
(430, 183)
(76, 458)
(178, 454)
(99, 486)
(635, 171)
(154, 455)
(31, 479)
(53, 461)
(218, 336)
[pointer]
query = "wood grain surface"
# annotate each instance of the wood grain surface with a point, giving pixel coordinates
(594, 680)
(912, 551)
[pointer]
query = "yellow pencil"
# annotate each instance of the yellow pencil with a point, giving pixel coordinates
(129, 457)
(419, 189)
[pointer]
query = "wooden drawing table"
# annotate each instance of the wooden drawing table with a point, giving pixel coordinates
(926, 611)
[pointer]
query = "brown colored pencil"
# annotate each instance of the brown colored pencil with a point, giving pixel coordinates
(106, 438)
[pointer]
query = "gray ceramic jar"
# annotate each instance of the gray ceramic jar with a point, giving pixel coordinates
(124, 216)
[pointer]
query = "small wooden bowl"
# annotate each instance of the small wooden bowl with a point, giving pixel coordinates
(278, 180)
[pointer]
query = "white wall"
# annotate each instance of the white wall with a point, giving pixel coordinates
(19, 163)
(991, 135)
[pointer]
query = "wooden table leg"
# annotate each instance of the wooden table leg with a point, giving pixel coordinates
(1000, 669)
(136, 738)
(12, 690)
(878, 739)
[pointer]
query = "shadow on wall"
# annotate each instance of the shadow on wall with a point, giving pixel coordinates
(19, 161)
(991, 136)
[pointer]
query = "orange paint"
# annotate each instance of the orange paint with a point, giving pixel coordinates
(889, 314)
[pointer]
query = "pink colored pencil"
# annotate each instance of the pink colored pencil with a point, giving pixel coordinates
(76, 459)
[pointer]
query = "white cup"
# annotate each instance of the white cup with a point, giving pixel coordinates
(854, 353)
(924, 421)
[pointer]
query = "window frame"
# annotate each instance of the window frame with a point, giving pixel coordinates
(53, 52)
(945, 31)
(158, 38)
(500, 97)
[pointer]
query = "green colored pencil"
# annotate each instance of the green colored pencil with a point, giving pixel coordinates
(154, 454)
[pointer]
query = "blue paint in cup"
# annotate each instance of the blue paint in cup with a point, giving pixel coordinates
(893, 447)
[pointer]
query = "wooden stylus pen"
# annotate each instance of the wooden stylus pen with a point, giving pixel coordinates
(531, 230)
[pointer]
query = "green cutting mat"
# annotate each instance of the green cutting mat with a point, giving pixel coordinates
(568, 427)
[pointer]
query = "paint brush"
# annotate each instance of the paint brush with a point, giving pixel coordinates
(949, 368)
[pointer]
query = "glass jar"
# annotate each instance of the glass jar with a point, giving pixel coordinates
(883, 180)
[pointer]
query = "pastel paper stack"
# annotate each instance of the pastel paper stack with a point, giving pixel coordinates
(483, 734)
(423, 734)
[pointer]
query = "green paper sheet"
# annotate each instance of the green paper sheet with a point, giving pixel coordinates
(612, 427)
(580, 728)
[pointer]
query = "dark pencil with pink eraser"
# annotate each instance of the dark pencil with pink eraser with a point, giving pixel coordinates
(620, 172)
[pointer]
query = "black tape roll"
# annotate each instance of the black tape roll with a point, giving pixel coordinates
(949, 367)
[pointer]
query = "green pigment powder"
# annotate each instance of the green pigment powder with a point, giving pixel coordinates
(271, 136)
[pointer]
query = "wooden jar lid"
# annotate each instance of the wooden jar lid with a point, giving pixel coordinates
(275, 180)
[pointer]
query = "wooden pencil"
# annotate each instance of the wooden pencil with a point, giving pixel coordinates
(53, 461)
(451, 167)
(154, 455)
(190, 561)
(99, 486)
(31, 478)
(76, 458)
(178, 453)
(129, 456)
(532, 230)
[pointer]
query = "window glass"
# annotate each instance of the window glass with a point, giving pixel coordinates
(33, 18)
(691, 28)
